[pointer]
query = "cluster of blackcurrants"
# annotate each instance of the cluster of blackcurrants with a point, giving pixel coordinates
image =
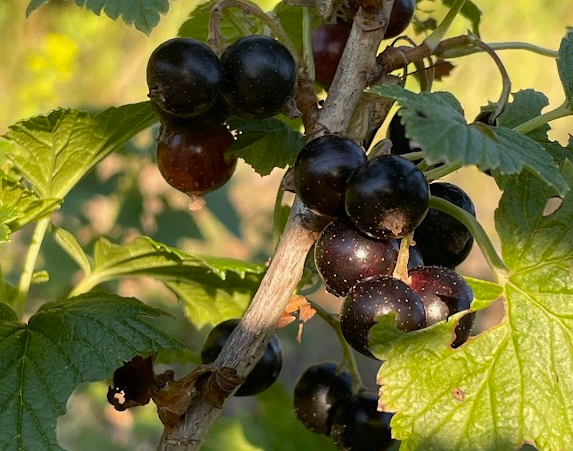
(193, 91)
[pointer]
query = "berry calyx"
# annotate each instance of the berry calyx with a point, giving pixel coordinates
(444, 292)
(184, 77)
(317, 392)
(358, 426)
(321, 170)
(259, 76)
(375, 297)
(400, 17)
(344, 256)
(387, 197)
(328, 43)
(265, 372)
(442, 239)
(194, 162)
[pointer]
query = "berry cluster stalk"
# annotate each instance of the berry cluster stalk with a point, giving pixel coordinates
(247, 343)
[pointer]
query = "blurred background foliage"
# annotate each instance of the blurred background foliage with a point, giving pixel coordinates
(66, 56)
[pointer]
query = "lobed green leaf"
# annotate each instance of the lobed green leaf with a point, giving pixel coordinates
(436, 121)
(511, 384)
(53, 152)
(65, 343)
(143, 14)
(265, 144)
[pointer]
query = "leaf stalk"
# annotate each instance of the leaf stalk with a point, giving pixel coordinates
(559, 112)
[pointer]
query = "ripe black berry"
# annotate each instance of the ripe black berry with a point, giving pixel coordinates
(375, 297)
(358, 426)
(184, 77)
(317, 391)
(387, 197)
(259, 76)
(194, 162)
(344, 256)
(265, 371)
(400, 17)
(442, 239)
(444, 292)
(328, 43)
(321, 170)
(397, 134)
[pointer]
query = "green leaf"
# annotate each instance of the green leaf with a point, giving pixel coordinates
(56, 150)
(143, 14)
(470, 11)
(565, 65)
(512, 383)
(484, 292)
(70, 245)
(291, 20)
(436, 121)
(526, 105)
(212, 289)
(265, 144)
(7, 314)
(20, 206)
(65, 343)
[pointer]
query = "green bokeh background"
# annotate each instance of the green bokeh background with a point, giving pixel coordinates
(66, 56)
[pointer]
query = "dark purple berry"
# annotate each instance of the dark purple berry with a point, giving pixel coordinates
(265, 372)
(321, 170)
(317, 391)
(184, 77)
(400, 17)
(344, 256)
(375, 297)
(387, 197)
(328, 43)
(444, 292)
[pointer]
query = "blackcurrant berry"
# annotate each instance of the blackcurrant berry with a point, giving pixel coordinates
(265, 372)
(358, 426)
(328, 43)
(442, 239)
(444, 292)
(321, 170)
(212, 118)
(317, 391)
(344, 256)
(259, 76)
(387, 197)
(400, 17)
(194, 162)
(375, 297)
(184, 77)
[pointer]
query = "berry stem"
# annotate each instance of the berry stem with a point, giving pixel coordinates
(401, 269)
(238, 24)
(438, 34)
(506, 90)
(561, 111)
(30, 264)
(494, 261)
(442, 171)
(347, 353)
(413, 156)
(273, 23)
(459, 51)
(277, 216)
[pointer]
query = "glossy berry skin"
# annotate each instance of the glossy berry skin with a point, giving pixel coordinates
(265, 372)
(194, 162)
(375, 297)
(317, 392)
(321, 170)
(259, 76)
(387, 197)
(358, 426)
(444, 292)
(397, 134)
(328, 43)
(442, 239)
(344, 256)
(400, 17)
(184, 77)
(212, 118)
